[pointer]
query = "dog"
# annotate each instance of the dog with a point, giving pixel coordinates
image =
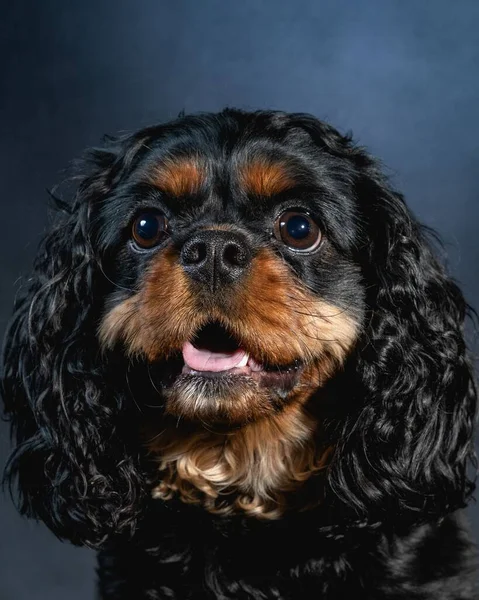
(238, 370)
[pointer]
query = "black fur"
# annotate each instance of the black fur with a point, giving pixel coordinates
(400, 416)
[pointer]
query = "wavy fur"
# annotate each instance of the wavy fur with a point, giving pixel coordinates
(399, 416)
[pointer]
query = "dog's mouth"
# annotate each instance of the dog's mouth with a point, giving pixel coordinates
(214, 352)
(216, 378)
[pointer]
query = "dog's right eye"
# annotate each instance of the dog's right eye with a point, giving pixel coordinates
(149, 229)
(298, 231)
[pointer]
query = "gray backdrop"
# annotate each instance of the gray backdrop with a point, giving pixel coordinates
(402, 75)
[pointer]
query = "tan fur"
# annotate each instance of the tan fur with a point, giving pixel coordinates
(262, 176)
(253, 470)
(157, 319)
(182, 176)
(284, 321)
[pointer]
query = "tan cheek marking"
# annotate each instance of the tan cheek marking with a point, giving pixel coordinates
(284, 321)
(156, 320)
(264, 177)
(179, 177)
(117, 321)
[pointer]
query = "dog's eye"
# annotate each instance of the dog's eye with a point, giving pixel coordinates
(149, 229)
(298, 231)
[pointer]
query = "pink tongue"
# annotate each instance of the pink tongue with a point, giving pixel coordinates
(205, 360)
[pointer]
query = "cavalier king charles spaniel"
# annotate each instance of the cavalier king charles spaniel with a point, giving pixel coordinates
(239, 371)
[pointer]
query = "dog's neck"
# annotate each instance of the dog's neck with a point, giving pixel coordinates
(251, 470)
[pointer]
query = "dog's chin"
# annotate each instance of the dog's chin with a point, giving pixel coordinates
(235, 397)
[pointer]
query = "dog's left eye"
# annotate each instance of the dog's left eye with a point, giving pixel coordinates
(298, 231)
(149, 229)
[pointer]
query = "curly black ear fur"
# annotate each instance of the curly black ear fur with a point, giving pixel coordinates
(407, 441)
(72, 466)
(404, 438)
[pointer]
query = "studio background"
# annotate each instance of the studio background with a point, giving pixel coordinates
(404, 76)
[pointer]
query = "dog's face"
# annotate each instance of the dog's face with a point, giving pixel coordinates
(233, 249)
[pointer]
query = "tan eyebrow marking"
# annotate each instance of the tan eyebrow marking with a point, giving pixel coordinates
(265, 177)
(181, 176)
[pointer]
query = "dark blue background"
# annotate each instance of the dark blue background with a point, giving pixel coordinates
(403, 75)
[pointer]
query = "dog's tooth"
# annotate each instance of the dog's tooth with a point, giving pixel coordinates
(244, 360)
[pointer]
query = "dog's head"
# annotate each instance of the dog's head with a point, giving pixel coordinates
(235, 277)
(232, 246)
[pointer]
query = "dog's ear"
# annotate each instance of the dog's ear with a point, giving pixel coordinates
(71, 466)
(405, 446)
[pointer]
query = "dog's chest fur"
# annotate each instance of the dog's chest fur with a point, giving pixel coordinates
(251, 471)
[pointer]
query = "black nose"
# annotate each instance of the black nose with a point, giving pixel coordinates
(215, 257)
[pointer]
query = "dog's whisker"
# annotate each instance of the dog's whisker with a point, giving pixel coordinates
(208, 428)
(131, 391)
(114, 283)
(151, 380)
(155, 437)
